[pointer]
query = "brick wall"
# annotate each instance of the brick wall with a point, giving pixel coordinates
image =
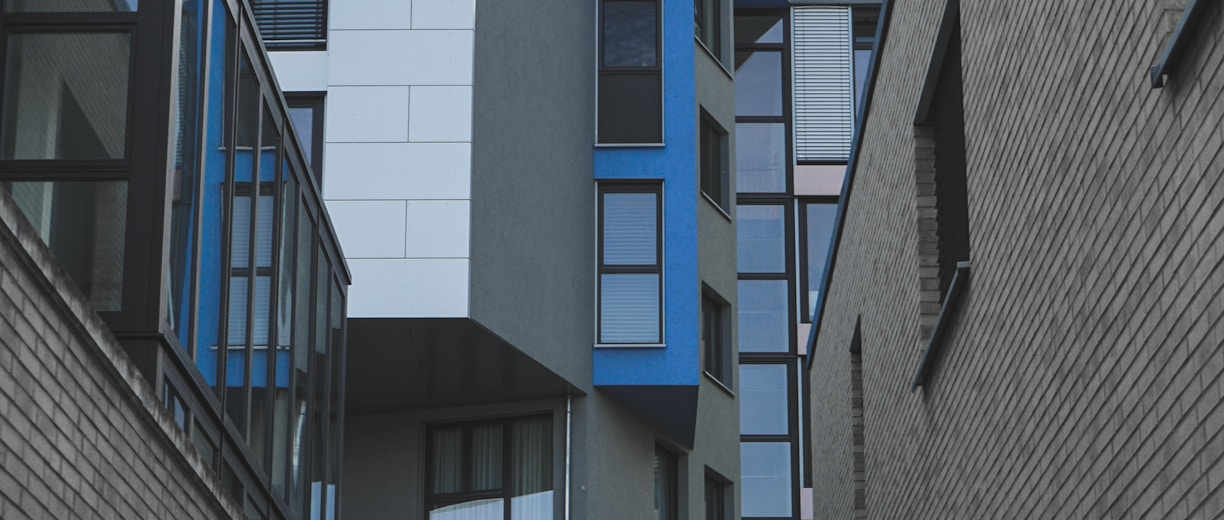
(1082, 377)
(82, 435)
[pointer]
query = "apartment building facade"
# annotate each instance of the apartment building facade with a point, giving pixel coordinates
(534, 199)
(1067, 156)
(175, 295)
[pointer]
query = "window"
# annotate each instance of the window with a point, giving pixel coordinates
(866, 19)
(708, 16)
(716, 337)
(491, 470)
(766, 482)
(292, 24)
(824, 84)
(715, 179)
(762, 104)
(718, 497)
(630, 107)
(816, 220)
(306, 112)
(665, 474)
(630, 265)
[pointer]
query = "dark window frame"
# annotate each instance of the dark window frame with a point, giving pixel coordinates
(805, 305)
(316, 101)
(642, 135)
(506, 492)
(607, 187)
(713, 153)
(719, 496)
(716, 337)
(665, 455)
(708, 16)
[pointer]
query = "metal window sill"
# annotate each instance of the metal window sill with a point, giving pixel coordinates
(959, 281)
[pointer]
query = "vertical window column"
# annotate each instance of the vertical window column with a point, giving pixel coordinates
(630, 264)
(630, 106)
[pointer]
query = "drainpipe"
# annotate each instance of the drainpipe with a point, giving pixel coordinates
(568, 421)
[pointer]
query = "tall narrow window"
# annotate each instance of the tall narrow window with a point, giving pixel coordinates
(824, 86)
(715, 177)
(816, 221)
(715, 337)
(665, 479)
(630, 264)
(292, 24)
(708, 15)
(630, 107)
(718, 497)
(491, 470)
(306, 112)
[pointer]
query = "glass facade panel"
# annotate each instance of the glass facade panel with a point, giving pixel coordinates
(629, 34)
(766, 483)
(531, 466)
(758, 83)
(761, 239)
(468, 465)
(760, 157)
(763, 400)
(665, 477)
(764, 324)
(759, 29)
(303, 122)
(84, 223)
(71, 6)
(819, 222)
(446, 461)
(486, 463)
(479, 509)
(66, 95)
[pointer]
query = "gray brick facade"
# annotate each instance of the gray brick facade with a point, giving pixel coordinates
(82, 434)
(1081, 377)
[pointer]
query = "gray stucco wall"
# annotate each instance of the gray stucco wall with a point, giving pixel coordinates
(82, 434)
(1082, 378)
(532, 190)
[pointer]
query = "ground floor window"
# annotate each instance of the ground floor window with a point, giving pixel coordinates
(491, 470)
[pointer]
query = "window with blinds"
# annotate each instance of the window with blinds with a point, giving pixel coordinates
(823, 84)
(630, 265)
(292, 24)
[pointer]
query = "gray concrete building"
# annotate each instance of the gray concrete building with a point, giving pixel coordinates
(1066, 155)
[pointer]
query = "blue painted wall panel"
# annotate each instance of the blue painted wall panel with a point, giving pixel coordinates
(678, 364)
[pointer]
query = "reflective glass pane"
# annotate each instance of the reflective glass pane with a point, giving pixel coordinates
(820, 221)
(766, 483)
(760, 157)
(862, 58)
(629, 34)
(764, 324)
(71, 6)
(758, 29)
(65, 95)
(629, 308)
(531, 464)
(303, 123)
(630, 229)
(446, 452)
(480, 509)
(486, 463)
(761, 239)
(763, 400)
(758, 83)
(85, 225)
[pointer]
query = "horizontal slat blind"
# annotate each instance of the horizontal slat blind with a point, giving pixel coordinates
(630, 306)
(291, 23)
(824, 84)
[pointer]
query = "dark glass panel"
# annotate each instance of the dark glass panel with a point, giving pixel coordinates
(303, 123)
(760, 157)
(761, 239)
(301, 357)
(485, 466)
(820, 221)
(66, 95)
(337, 398)
(446, 454)
(531, 467)
(665, 484)
(282, 407)
(763, 400)
(862, 59)
(630, 108)
(84, 223)
(630, 37)
(766, 482)
(758, 83)
(764, 322)
(71, 6)
(185, 153)
(320, 436)
(759, 29)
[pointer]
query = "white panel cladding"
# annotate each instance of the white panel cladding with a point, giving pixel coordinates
(402, 171)
(369, 228)
(823, 83)
(370, 14)
(440, 114)
(408, 287)
(397, 162)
